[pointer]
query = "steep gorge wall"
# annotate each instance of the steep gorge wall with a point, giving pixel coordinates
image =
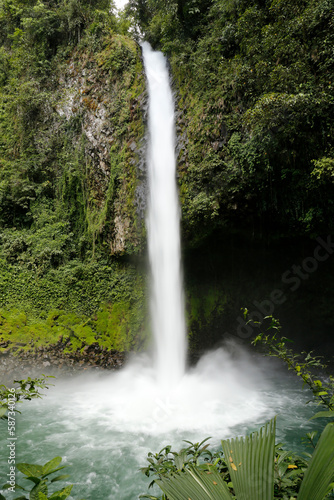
(73, 195)
(255, 113)
(73, 184)
(103, 93)
(254, 87)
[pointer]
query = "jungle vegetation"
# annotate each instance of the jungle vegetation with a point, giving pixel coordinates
(253, 82)
(255, 86)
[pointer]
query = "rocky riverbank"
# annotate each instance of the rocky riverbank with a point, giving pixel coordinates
(55, 360)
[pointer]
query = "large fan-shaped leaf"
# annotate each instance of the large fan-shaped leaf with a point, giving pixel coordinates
(250, 461)
(195, 483)
(320, 472)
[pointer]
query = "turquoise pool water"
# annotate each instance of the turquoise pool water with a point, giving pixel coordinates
(103, 425)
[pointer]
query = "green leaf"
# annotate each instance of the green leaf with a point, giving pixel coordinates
(320, 472)
(250, 462)
(179, 461)
(53, 471)
(17, 487)
(60, 478)
(195, 483)
(41, 487)
(30, 469)
(41, 496)
(323, 414)
(3, 412)
(35, 480)
(62, 494)
(284, 455)
(51, 466)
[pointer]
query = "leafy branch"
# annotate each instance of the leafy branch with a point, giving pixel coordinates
(26, 389)
(39, 476)
(306, 365)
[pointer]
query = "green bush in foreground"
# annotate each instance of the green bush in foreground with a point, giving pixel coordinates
(39, 476)
(247, 468)
(25, 389)
(305, 364)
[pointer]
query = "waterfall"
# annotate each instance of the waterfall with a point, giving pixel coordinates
(163, 225)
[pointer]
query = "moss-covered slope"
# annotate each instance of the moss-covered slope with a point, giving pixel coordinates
(72, 179)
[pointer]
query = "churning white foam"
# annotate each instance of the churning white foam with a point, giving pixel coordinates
(225, 389)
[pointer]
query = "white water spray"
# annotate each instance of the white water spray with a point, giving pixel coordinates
(105, 423)
(163, 224)
(120, 4)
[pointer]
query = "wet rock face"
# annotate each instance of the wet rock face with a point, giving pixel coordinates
(52, 360)
(107, 107)
(85, 96)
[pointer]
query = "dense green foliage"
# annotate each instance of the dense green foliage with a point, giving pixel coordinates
(240, 471)
(36, 37)
(80, 303)
(307, 366)
(66, 69)
(24, 389)
(255, 83)
(39, 475)
(254, 89)
(52, 205)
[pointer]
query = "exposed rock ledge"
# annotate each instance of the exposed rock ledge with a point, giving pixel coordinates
(52, 360)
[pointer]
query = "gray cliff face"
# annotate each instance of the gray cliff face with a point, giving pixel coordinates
(108, 109)
(82, 99)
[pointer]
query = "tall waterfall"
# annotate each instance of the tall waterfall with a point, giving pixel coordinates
(163, 225)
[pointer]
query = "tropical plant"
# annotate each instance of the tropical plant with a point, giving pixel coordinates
(39, 475)
(305, 364)
(319, 476)
(255, 85)
(254, 473)
(24, 389)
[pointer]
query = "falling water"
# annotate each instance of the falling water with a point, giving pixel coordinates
(163, 224)
(104, 424)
